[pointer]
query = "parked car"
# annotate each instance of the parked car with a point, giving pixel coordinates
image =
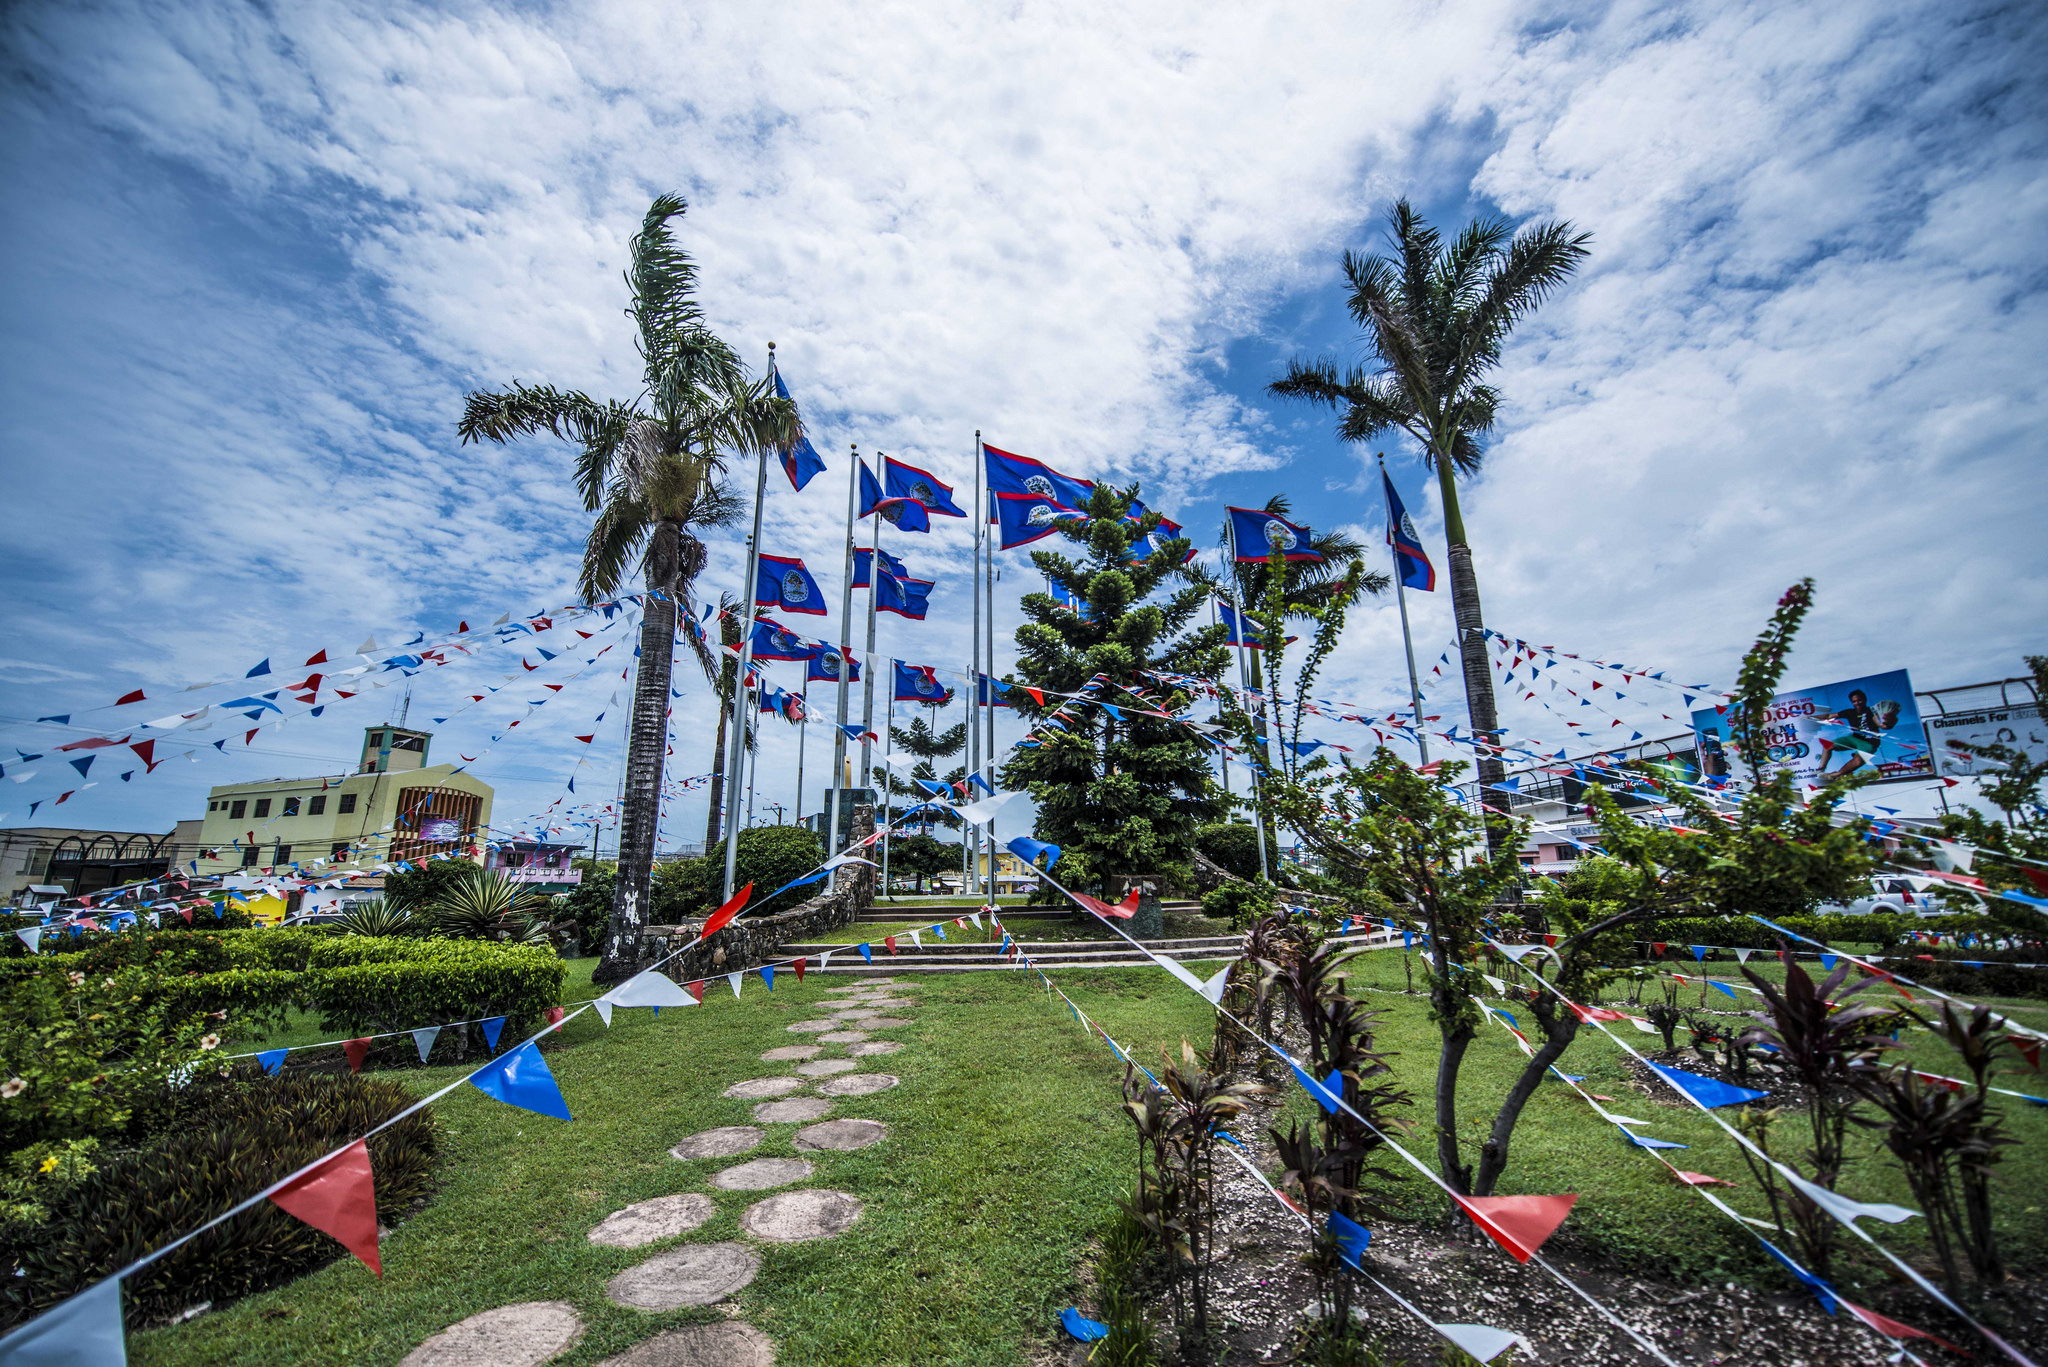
(1889, 896)
(313, 918)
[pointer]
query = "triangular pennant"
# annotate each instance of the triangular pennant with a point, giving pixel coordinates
(1890, 1328)
(1706, 1090)
(1518, 1224)
(865, 951)
(493, 1027)
(338, 1198)
(1844, 1209)
(734, 980)
(1700, 1179)
(604, 1011)
(718, 919)
(1328, 1094)
(84, 1331)
(271, 1060)
(1478, 1340)
(768, 975)
(1351, 1237)
(357, 1050)
(32, 937)
(890, 942)
(522, 1079)
(799, 966)
(696, 990)
(648, 988)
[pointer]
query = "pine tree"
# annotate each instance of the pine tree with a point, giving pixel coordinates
(1119, 794)
(921, 740)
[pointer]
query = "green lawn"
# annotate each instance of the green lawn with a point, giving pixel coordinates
(1005, 1153)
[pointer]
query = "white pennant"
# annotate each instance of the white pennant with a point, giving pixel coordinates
(32, 937)
(604, 1009)
(1742, 955)
(1841, 1207)
(976, 918)
(649, 988)
(1519, 952)
(1500, 989)
(984, 811)
(825, 959)
(915, 941)
(423, 1039)
(1481, 1341)
(734, 979)
(1642, 1025)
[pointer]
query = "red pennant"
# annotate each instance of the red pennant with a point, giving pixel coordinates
(1518, 1224)
(357, 1050)
(799, 970)
(555, 1014)
(718, 919)
(1657, 946)
(338, 1198)
(1891, 1328)
(250, 734)
(319, 657)
(1037, 695)
(696, 989)
(146, 752)
(126, 698)
(890, 941)
(2030, 1050)
(1597, 1013)
(1550, 940)
(186, 912)
(1700, 1179)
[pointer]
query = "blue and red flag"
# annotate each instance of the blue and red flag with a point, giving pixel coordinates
(826, 662)
(994, 689)
(1024, 518)
(783, 703)
(774, 641)
(892, 568)
(1416, 571)
(801, 462)
(920, 683)
(905, 597)
(1256, 533)
(904, 514)
(1249, 639)
(1154, 541)
(781, 581)
(1013, 474)
(1071, 601)
(907, 481)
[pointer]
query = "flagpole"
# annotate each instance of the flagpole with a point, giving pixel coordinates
(988, 570)
(970, 836)
(888, 817)
(1401, 597)
(867, 693)
(735, 760)
(1244, 682)
(830, 809)
(803, 731)
(1222, 747)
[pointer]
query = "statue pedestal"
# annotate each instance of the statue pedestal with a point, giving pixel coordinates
(1149, 923)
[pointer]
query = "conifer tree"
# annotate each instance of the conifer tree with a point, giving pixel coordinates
(1119, 792)
(928, 744)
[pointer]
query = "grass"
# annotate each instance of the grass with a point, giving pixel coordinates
(1005, 1152)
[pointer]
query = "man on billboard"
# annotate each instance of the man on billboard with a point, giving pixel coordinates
(1856, 731)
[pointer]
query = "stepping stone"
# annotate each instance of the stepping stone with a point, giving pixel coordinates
(762, 1174)
(810, 1027)
(860, 1084)
(792, 1112)
(842, 1036)
(522, 1335)
(873, 1047)
(723, 1142)
(890, 1001)
(755, 1088)
(826, 1067)
(841, 1135)
(645, 1221)
(695, 1274)
(855, 1014)
(731, 1344)
(795, 1216)
(886, 1022)
(790, 1051)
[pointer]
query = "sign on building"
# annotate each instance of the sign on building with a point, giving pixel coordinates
(2019, 729)
(1869, 725)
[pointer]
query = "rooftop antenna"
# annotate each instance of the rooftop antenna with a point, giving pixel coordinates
(405, 709)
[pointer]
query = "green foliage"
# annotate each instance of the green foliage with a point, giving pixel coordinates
(589, 903)
(214, 1145)
(425, 884)
(1239, 903)
(1118, 795)
(378, 918)
(1762, 667)
(432, 982)
(921, 856)
(768, 857)
(484, 904)
(1232, 846)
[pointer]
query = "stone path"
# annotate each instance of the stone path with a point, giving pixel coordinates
(694, 1274)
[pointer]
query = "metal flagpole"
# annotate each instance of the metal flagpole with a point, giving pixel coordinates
(1222, 746)
(1401, 597)
(988, 570)
(753, 735)
(803, 730)
(888, 817)
(838, 780)
(735, 765)
(867, 693)
(970, 835)
(1244, 682)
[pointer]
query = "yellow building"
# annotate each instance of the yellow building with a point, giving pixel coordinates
(393, 807)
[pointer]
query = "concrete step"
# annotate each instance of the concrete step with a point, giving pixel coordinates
(956, 948)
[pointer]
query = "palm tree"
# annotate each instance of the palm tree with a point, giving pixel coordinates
(650, 471)
(1435, 320)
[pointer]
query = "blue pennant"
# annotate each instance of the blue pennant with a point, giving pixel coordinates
(522, 1079)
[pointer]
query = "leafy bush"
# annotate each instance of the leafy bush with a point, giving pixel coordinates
(218, 1143)
(485, 905)
(422, 885)
(1239, 903)
(1233, 846)
(433, 982)
(768, 857)
(589, 904)
(377, 918)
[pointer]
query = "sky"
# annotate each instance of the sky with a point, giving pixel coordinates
(255, 256)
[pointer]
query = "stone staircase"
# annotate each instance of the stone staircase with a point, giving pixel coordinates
(889, 912)
(969, 951)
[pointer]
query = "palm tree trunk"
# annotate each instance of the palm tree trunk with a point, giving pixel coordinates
(640, 819)
(713, 830)
(1483, 716)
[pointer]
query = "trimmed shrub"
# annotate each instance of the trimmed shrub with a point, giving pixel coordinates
(768, 857)
(1233, 846)
(1239, 903)
(220, 1143)
(433, 982)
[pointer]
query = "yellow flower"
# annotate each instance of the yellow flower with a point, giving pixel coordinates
(50, 1163)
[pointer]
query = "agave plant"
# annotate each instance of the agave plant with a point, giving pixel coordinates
(377, 918)
(486, 905)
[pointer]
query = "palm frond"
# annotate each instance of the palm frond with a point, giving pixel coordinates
(663, 283)
(615, 539)
(528, 410)
(1532, 268)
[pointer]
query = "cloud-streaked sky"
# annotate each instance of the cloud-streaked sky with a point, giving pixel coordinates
(254, 257)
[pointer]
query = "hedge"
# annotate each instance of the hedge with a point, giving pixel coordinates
(437, 982)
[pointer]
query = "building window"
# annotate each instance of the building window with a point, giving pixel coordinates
(262, 807)
(236, 809)
(249, 857)
(347, 804)
(213, 806)
(340, 850)
(291, 806)
(315, 806)
(284, 855)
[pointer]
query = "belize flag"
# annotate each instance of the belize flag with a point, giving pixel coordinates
(905, 597)
(904, 514)
(801, 462)
(920, 683)
(907, 481)
(1025, 518)
(1256, 534)
(1416, 571)
(892, 568)
(1071, 601)
(1010, 474)
(1249, 638)
(996, 687)
(774, 641)
(782, 582)
(825, 665)
(1154, 541)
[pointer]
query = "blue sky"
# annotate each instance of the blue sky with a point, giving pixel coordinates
(253, 259)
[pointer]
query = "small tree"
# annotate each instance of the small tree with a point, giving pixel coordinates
(1117, 790)
(922, 856)
(928, 744)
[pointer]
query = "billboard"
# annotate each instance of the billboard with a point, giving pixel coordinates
(1865, 726)
(438, 830)
(2016, 728)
